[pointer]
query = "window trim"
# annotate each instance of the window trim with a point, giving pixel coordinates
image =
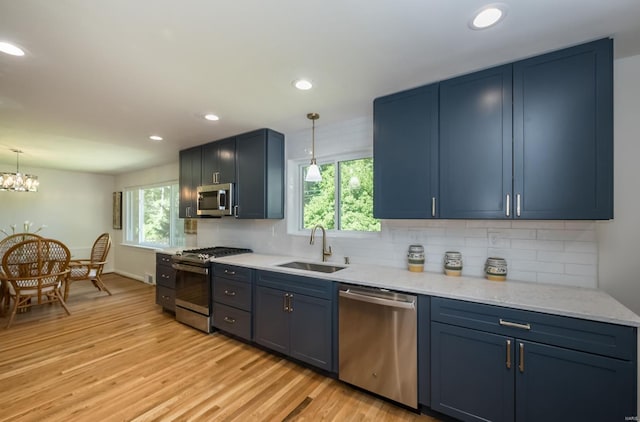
(127, 226)
(295, 184)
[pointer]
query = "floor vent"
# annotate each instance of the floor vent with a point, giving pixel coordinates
(148, 278)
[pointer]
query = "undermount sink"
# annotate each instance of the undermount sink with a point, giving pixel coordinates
(323, 268)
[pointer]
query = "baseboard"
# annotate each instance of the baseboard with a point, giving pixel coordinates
(130, 275)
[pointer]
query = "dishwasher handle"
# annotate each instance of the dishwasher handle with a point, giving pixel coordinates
(363, 297)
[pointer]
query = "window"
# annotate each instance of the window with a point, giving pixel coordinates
(151, 216)
(343, 200)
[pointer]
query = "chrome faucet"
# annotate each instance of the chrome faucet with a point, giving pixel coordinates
(325, 252)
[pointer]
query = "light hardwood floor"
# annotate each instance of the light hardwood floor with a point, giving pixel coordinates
(120, 358)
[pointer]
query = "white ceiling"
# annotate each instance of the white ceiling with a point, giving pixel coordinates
(99, 77)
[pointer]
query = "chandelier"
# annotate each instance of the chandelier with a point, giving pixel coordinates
(18, 182)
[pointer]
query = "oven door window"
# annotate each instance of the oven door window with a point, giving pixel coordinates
(193, 291)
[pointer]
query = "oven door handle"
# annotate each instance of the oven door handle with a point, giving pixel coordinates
(190, 268)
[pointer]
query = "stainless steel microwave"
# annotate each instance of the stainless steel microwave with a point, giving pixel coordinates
(215, 200)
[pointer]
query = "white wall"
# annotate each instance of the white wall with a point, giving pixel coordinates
(619, 239)
(75, 207)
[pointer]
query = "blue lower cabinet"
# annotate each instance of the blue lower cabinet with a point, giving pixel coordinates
(557, 384)
(310, 324)
(471, 378)
(271, 319)
(530, 366)
(296, 324)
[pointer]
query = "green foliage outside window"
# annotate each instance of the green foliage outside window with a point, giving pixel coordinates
(355, 197)
(151, 217)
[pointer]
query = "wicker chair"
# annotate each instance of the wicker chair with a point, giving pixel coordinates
(5, 244)
(90, 269)
(35, 269)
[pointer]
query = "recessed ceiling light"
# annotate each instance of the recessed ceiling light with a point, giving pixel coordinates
(212, 117)
(9, 48)
(155, 138)
(303, 84)
(488, 16)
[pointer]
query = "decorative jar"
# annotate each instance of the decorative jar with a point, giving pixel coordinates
(496, 269)
(415, 258)
(452, 263)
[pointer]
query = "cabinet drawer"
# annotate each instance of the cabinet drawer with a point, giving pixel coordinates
(605, 339)
(297, 284)
(166, 276)
(163, 259)
(166, 297)
(232, 293)
(232, 320)
(232, 273)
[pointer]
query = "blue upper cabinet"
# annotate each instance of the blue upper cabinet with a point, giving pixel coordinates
(260, 174)
(563, 134)
(190, 169)
(219, 162)
(475, 144)
(527, 140)
(405, 147)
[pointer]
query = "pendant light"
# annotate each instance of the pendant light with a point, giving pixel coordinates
(18, 182)
(313, 173)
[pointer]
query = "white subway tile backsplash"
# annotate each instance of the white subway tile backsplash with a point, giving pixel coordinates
(568, 257)
(581, 270)
(582, 247)
(489, 224)
(545, 245)
(539, 224)
(573, 235)
(528, 276)
(538, 266)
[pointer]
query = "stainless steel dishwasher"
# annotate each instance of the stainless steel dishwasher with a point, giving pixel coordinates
(378, 348)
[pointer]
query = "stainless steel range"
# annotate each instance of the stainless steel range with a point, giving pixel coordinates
(194, 284)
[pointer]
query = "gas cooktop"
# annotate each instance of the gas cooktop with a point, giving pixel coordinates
(204, 254)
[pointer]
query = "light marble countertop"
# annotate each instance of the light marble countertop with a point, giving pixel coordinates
(590, 304)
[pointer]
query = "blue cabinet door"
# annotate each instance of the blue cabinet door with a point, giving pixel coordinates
(472, 376)
(260, 174)
(557, 384)
(405, 147)
(271, 319)
(190, 173)
(476, 145)
(563, 133)
(311, 330)
(219, 162)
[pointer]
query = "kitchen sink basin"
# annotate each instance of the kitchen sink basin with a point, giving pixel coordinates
(309, 266)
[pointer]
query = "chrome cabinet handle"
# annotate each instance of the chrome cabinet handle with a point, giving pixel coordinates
(229, 293)
(286, 302)
(521, 365)
(508, 354)
(518, 205)
(510, 324)
(508, 207)
(229, 320)
(235, 211)
(433, 206)
(229, 272)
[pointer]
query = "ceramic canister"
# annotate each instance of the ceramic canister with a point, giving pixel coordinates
(452, 263)
(415, 258)
(495, 269)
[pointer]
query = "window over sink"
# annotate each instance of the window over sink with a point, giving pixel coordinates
(343, 199)
(151, 216)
